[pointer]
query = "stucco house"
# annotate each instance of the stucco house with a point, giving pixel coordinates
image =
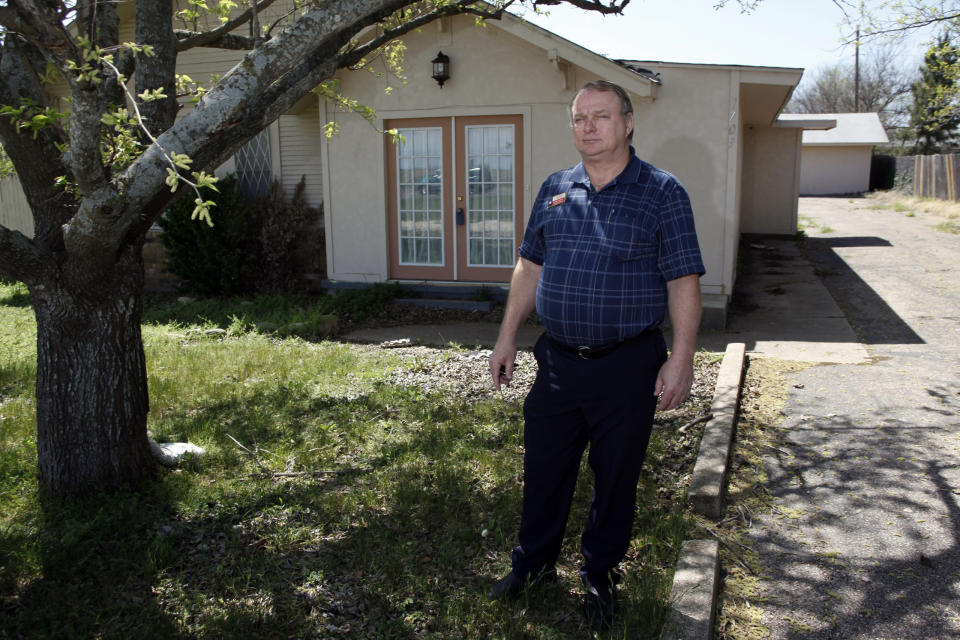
(836, 160)
(446, 205)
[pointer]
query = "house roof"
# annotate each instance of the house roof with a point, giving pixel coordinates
(562, 52)
(852, 129)
(639, 79)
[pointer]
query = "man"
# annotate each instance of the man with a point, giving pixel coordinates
(609, 247)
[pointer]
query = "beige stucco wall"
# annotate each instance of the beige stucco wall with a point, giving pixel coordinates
(686, 130)
(14, 210)
(834, 170)
(770, 174)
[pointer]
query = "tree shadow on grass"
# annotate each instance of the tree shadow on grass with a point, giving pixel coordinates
(19, 297)
(389, 545)
(97, 557)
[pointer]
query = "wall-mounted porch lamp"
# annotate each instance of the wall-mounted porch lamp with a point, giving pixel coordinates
(441, 68)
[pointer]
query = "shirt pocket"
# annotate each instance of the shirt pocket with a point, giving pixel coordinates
(623, 236)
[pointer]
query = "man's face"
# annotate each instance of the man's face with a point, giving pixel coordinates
(599, 129)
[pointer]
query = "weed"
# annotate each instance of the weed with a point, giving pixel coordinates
(900, 203)
(948, 227)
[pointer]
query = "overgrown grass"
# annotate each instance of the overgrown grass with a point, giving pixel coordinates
(278, 314)
(398, 510)
(948, 226)
(945, 213)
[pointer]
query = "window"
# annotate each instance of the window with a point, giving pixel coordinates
(253, 166)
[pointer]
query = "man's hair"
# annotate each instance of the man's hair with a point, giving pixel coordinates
(603, 85)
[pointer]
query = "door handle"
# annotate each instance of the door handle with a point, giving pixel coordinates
(461, 218)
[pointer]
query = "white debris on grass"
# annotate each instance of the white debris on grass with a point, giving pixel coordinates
(170, 454)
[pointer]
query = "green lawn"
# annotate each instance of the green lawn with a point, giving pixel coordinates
(400, 506)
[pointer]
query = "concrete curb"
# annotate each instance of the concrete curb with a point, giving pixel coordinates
(697, 576)
(694, 590)
(708, 483)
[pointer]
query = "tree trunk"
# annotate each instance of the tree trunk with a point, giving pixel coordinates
(92, 398)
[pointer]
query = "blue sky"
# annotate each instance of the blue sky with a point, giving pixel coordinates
(779, 33)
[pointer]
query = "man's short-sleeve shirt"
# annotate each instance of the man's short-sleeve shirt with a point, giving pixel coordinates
(607, 255)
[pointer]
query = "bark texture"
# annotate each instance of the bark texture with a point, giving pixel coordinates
(92, 384)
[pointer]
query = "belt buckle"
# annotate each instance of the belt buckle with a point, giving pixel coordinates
(583, 352)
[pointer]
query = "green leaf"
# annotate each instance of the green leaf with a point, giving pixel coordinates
(173, 179)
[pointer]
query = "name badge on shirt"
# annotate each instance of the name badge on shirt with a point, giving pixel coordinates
(557, 200)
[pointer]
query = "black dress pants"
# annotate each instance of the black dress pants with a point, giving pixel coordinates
(608, 403)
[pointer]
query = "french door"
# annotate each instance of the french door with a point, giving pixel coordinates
(454, 204)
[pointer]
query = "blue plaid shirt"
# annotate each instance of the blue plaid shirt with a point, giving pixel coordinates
(607, 255)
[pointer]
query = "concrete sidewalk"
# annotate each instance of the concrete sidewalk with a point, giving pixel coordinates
(863, 542)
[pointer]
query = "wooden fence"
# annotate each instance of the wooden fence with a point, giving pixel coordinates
(933, 176)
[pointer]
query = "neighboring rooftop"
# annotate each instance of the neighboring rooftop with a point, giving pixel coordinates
(852, 129)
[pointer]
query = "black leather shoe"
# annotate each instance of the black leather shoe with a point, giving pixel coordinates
(599, 604)
(509, 586)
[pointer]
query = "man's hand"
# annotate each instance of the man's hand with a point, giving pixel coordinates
(673, 383)
(502, 361)
(520, 302)
(676, 374)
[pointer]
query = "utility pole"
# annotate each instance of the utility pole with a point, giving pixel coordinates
(856, 73)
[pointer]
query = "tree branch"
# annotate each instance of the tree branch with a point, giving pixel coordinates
(612, 6)
(907, 26)
(188, 39)
(223, 119)
(20, 258)
(39, 25)
(154, 27)
(353, 56)
(36, 158)
(225, 41)
(85, 160)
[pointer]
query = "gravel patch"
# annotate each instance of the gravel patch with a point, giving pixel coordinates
(465, 373)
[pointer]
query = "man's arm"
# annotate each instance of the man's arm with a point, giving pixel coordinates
(676, 374)
(520, 303)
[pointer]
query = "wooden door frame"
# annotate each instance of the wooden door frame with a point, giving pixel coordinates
(398, 271)
(487, 274)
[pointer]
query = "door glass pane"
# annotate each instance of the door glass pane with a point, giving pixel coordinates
(475, 138)
(420, 196)
(490, 195)
(507, 252)
(406, 250)
(406, 225)
(491, 145)
(476, 251)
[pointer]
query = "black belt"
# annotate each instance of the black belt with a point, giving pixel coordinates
(589, 353)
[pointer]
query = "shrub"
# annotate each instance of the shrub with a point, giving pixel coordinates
(217, 260)
(250, 247)
(281, 226)
(359, 304)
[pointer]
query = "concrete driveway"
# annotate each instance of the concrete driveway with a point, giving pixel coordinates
(864, 539)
